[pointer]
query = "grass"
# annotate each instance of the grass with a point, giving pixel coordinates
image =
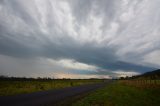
(124, 93)
(22, 87)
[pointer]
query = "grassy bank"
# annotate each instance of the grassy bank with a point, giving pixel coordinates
(125, 93)
(21, 87)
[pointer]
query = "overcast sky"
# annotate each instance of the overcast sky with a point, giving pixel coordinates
(79, 38)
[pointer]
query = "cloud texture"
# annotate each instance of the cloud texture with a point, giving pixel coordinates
(79, 37)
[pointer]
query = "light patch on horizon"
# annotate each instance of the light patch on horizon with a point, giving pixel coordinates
(78, 76)
(121, 73)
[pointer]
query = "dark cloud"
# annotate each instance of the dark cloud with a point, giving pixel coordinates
(103, 57)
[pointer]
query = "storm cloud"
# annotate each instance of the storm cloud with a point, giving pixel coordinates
(82, 37)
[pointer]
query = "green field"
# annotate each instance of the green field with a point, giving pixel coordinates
(21, 87)
(124, 93)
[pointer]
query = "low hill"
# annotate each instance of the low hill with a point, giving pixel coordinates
(150, 75)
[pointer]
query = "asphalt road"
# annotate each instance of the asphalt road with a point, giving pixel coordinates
(45, 98)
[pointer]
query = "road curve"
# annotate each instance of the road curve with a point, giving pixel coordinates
(44, 98)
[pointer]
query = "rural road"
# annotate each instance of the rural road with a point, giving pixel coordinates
(45, 98)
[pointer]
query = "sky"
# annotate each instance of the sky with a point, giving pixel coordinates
(79, 38)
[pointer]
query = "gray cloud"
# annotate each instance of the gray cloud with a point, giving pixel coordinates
(111, 35)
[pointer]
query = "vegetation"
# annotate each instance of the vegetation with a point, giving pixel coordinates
(125, 93)
(13, 86)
